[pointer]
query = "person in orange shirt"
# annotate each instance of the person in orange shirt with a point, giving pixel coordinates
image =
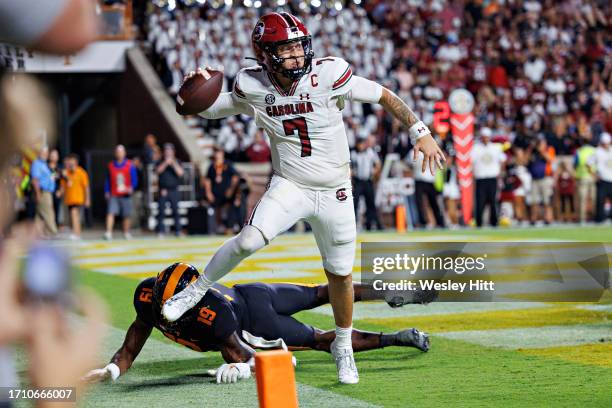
(75, 186)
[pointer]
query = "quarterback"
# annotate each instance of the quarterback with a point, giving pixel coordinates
(298, 100)
(234, 320)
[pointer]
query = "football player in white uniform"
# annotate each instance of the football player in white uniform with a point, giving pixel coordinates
(298, 100)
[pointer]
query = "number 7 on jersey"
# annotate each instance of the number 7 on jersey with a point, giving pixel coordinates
(299, 124)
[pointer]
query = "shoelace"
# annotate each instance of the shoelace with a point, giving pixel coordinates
(350, 363)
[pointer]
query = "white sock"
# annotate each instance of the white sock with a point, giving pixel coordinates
(344, 337)
(202, 284)
(231, 253)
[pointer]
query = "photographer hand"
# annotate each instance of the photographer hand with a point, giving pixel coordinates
(12, 312)
(59, 352)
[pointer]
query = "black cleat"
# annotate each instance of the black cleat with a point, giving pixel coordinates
(413, 338)
(399, 298)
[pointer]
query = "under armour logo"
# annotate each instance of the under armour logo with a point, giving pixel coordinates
(421, 130)
(304, 96)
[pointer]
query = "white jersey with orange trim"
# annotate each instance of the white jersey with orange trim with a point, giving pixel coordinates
(308, 141)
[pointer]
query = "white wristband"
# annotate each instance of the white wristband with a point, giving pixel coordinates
(114, 370)
(417, 131)
(251, 363)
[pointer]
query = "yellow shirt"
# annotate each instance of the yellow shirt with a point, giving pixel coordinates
(75, 185)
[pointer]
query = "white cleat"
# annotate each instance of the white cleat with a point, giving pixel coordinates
(180, 303)
(345, 364)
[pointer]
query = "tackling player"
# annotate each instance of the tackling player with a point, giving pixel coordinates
(235, 320)
(298, 100)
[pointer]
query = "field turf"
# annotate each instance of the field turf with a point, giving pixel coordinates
(483, 354)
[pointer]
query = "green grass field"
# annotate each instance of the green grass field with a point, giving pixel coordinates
(488, 354)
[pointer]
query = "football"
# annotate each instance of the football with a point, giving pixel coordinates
(199, 92)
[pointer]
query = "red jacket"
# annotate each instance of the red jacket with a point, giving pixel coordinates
(120, 178)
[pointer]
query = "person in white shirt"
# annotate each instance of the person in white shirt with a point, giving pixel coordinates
(602, 163)
(365, 165)
(534, 69)
(487, 161)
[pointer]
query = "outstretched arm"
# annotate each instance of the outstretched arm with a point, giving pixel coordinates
(419, 133)
(364, 90)
(135, 338)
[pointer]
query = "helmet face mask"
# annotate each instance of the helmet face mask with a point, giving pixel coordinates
(277, 61)
(275, 30)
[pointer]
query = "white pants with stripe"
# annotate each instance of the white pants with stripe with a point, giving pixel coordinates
(330, 213)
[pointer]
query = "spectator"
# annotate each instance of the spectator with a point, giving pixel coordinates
(169, 173)
(540, 167)
(487, 162)
(121, 181)
(365, 167)
(258, 151)
(555, 84)
(220, 186)
(566, 185)
(534, 68)
(138, 198)
(44, 187)
(75, 188)
(238, 208)
(586, 182)
(602, 162)
(522, 193)
(232, 138)
(451, 192)
(424, 190)
(56, 173)
(151, 149)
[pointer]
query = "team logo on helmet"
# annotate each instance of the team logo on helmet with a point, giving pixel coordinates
(258, 31)
(270, 99)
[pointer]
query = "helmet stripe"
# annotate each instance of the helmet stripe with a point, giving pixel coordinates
(295, 20)
(283, 19)
(173, 280)
(288, 19)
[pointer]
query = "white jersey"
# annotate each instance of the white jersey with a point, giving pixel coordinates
(308, 141)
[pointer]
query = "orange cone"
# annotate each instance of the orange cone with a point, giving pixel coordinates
(275, 379)
(400, 218)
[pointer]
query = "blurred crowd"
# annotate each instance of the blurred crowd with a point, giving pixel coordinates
(539, 71)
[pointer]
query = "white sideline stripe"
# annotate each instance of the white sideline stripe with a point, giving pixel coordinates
(599, 308)
(97, 255)
(380, 310)
(535, 337)
(154, 268)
